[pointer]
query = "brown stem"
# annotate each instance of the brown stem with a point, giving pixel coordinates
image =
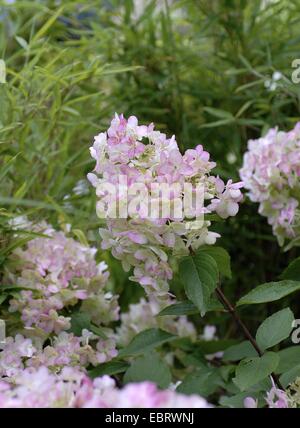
(231, 309)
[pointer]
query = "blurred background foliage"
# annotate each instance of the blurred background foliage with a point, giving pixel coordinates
(213, 72)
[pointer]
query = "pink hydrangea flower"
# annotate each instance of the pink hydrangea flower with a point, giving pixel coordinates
(73, 389)
(65, 350)
(147, 157)
(12, 357)
(57, 272)
(271, 173)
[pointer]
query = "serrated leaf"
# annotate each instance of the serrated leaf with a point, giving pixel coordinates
(269, 292)
(221, 257)
(203, 382)
(275, 329)
(199, 274)
(253, 370)
(240, 351)
(146, 340)
(149, 368)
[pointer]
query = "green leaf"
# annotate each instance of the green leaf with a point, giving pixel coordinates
(149, 368)
(110, 368)
(290, 376)
(188, 308)
(82, 321)
(240, 351)
(203, 382)
(220, 114)
(181, 308)
(199, 274)
(146, 340)
(3, 297)
(217, 123)
(213, 346)
(289, 358)
(252, 370)
(43, 30)
(221, 257)
(292, 272)
(79, 322)
(275, 329)
(269, 292)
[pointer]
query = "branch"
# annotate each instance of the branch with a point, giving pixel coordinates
(231, 309)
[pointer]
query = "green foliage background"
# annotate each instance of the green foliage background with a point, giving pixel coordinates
(196, 68)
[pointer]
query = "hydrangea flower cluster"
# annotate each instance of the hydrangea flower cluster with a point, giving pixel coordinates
(143, 315)
(73, 389)
(65, 350)
(15, 352)
(271, 173)
(146, 156)
(55, 273)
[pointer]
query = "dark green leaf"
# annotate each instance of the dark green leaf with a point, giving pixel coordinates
(289, 358)
(188, 308)
(252, 370)
(203, 382)
(146, 340)
(269, 292)
(292, 272)
(290, 376)
(199, 274)
(240, 351)
(3, 297)
(80, 321)
(181, 308)
(213, 346)
(221, 257)
(275, 329)
(149, 368)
